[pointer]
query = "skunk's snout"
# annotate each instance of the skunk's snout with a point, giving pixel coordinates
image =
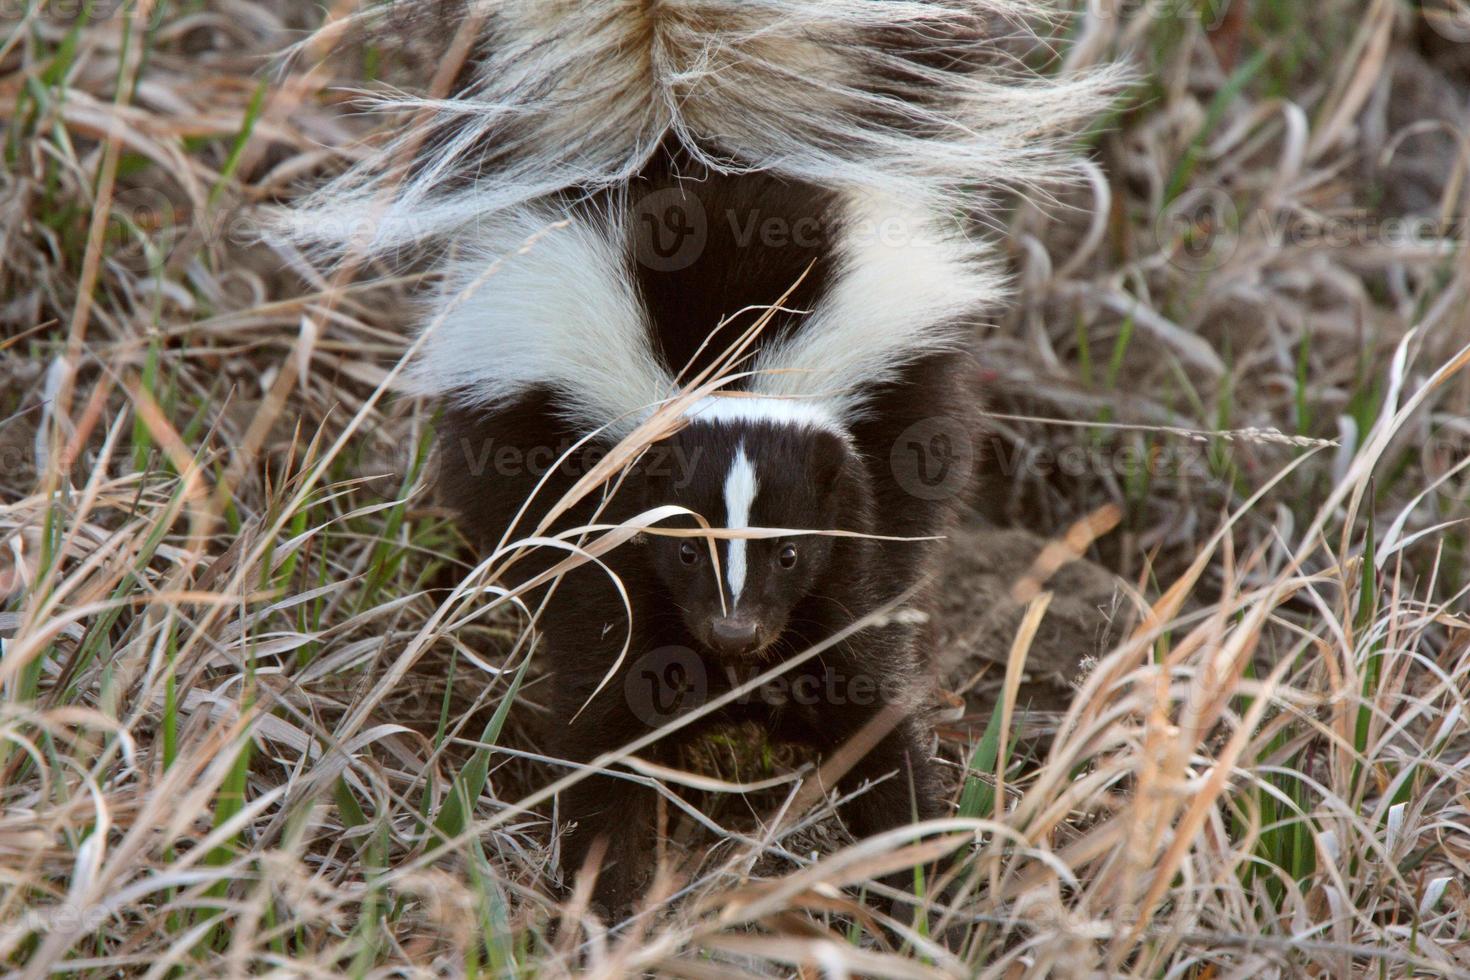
(734, 635)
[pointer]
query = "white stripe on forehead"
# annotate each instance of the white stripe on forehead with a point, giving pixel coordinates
(740, 490)
(776, 411)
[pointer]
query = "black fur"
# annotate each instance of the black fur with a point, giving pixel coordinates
(810, 479)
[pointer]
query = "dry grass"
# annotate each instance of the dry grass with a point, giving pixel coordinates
(250, 678)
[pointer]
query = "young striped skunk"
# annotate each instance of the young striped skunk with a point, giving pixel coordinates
(630, 198)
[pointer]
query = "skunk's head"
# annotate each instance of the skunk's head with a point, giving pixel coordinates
(793, 477)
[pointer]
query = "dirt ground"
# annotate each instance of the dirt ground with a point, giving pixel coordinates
(981, 604)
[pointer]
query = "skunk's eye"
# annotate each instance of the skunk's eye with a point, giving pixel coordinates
(787, 557)
(688, 553)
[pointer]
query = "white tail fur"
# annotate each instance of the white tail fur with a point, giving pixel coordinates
(842, 93)
(903, 106)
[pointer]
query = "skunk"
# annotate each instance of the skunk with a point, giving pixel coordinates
(765, 214)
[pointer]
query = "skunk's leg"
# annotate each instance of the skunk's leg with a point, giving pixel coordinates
(905, 788)
(905, 784)
(869, 698)
(893, 782)
(616, 819)
(614, 815)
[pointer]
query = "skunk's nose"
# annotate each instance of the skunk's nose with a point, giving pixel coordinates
(734, 634)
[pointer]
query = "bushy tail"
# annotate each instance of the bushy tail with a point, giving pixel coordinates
(921, 98)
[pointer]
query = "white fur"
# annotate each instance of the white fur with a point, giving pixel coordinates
(580, 94)
(740, 490)
(560, 310)
(906, 285)
(541, 299)
(576, 93)
(777, 411)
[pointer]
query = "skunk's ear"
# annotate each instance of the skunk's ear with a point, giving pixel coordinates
(660, 475)
(643, 480)
(825, 465)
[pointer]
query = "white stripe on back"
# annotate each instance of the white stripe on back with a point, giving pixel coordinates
(740, 490)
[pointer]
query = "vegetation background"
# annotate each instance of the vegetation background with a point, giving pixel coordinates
(256, 718)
